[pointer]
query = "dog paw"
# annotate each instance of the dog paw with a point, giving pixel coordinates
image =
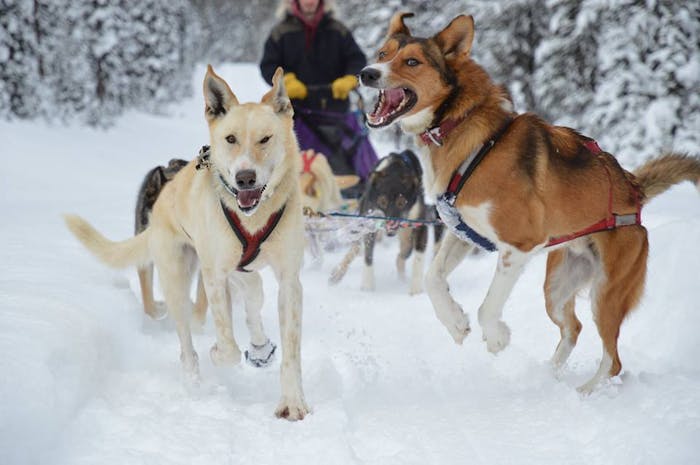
(225, 357)
(190, 369)
(416, 289)
(260, 356)
(459, 328)
(292, 410)
(497, 337)
(158, 311)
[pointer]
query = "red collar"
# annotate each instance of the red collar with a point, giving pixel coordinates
(251, 242)
(308, 160)
(437, 134)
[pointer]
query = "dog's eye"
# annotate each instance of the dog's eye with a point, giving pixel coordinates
(265, 139)
(401, 202)
(231, 139)
(383, 202)
(412, 62)
(381, 54)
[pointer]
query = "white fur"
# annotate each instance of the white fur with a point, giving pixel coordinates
(418, 122)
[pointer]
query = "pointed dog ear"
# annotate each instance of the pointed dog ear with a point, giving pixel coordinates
(396, 25)
(218, 97)
(457, 37)
(277, 96)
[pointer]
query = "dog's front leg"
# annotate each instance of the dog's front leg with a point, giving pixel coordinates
(419, 240)
(448, 311)
(495, 332)
(225, 351)
(261, 351)
(292, 405)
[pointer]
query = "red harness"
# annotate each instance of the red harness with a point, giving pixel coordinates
(612, 220)
(251, 242)
(453, 219)
(308, 160)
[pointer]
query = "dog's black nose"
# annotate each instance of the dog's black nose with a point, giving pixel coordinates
(245, 179)
(369, 76)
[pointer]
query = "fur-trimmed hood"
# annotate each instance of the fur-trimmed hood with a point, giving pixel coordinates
(285, 8)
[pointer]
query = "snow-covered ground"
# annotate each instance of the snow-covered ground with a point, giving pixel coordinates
(86, 378)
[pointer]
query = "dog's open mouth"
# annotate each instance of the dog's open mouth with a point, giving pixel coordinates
(391, 104)
(248, 199)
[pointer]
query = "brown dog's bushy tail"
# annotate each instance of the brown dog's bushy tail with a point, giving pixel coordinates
(659, 174)
(131, 252)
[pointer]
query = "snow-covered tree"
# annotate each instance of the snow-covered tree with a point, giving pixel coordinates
(19, 72)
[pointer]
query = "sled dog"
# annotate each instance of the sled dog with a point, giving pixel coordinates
(516, 184)
(395, 190)
(150, 189)
(239, 213)
(320, 188)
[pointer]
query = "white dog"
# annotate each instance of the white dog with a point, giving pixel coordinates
(237, 215)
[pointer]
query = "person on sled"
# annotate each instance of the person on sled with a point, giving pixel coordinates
(321, 60)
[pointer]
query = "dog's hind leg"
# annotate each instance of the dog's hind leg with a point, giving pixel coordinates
(174, 264)
(623, 255)
(567, 272)
(448, 311)
(261, 351)
(153, 309)
(495, 332)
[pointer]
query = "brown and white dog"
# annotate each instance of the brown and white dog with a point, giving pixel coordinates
(239, 214)
(517, 184)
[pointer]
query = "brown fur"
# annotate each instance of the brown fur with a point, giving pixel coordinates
(538, 182)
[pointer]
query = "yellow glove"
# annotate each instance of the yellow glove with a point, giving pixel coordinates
(342, 86)
(295, 88)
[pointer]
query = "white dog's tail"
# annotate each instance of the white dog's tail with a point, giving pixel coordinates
(131, 252)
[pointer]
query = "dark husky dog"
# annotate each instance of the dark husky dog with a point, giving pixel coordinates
(394, 190)
(152, 185)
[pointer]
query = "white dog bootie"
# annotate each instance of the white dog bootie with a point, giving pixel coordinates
(262, 355)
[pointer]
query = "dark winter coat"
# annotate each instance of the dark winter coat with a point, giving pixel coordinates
(333, 53)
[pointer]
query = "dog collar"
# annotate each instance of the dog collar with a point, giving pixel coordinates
(251, 242)
(437, 134)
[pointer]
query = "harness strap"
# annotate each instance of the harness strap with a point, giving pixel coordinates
(308, 160)
(459, 178)
(612, 220)
(466, 169)
(251, 242)
(447, 200)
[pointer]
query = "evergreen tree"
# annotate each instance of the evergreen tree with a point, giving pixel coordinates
(19, 73)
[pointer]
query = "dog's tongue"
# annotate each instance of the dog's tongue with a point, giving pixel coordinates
(249, 197)
(392, 99)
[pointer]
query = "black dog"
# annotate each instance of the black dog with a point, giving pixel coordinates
(152, 185)
(394, 190)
